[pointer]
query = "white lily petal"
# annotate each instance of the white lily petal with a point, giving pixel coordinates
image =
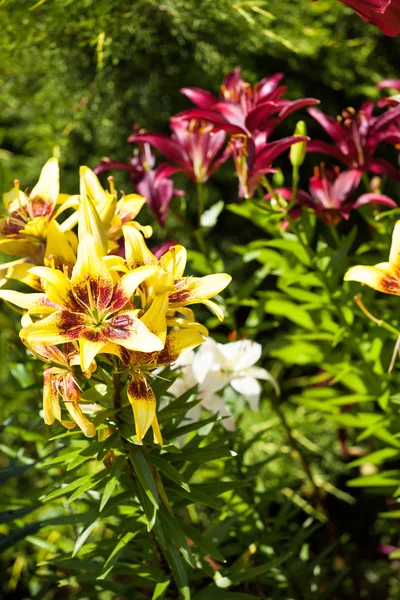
(240, 355)
(260, 373)
(250, 389)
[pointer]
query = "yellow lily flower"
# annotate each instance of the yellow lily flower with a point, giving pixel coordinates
(140, 393)
(89, 308)
(30, 228)
(384, 277)
(113, 213)
(182, 290)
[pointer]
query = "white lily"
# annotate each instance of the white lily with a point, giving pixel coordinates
(213, 367)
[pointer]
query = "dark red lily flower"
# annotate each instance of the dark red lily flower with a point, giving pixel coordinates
(195, 147)
(242, 108)
(152, 184)
(357, 134)
(253, 159)
(384, 14)
(330, 195)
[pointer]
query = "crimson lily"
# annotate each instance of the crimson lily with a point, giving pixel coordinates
(151, 183)
(194, 147)
(357, 134)
(253, 159)
(242, 108)
(330, 195)
(384, 14)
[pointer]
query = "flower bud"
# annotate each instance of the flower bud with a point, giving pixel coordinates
(298, 151)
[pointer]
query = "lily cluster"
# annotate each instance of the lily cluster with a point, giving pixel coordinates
(237, 123)
(129, 308)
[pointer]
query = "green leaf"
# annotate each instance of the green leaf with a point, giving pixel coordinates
(144, 475)
(115, 472)
(201, 541)
(8, 516)
(113, 558)
(210, 216)
(168, 469)
(174, 531)
(385, 479)
(197, 496)
(375, 458)
(178, 571)
(291, 311)
(84, 536)
(160, 590)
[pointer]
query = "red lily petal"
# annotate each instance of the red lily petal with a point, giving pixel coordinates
(330, 125)
(202, 98)
(380, 166)
(325, 148)
(296, 105)
(273, 149)
(388, 83)
(374, 199)
(167, 146)
(345, 184)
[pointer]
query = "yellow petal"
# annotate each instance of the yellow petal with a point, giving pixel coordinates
(48, 186)
(49, 400)
(23, 300)
(215, 308)
(88, 351)
(129, 206)
(21, 272)
(89, 222)
(58, 247)
(91, 281)
(157, 437)
(174, 261)
(382, 280)
(143, 402)
(57, 328)
(191, 290)
(91, 186)
(146, 230)
(394, 256)
(128, 331)
(128, 285)
(179, 322)
(56, 286)
(155, 317)
(80, 419)
(136, 250)
(21, 247)
(176, 343)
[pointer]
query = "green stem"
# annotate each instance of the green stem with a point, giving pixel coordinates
(295, 179)
(200, 202)
(366, 182)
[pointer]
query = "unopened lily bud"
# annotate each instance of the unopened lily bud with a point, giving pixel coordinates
(278, 178)
(89, 222)
(298, 151)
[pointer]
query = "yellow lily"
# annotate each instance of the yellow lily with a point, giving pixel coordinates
(89, 308)
(384, 277)
(60, 380)
(140, 393)
(30, 228)
(113, 213)
(182, 290)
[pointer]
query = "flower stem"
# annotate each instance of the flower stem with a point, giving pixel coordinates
(370, 316)
(200, 202)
